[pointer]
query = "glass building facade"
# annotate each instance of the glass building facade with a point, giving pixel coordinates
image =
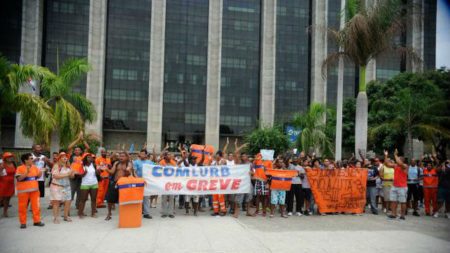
(292, 84)
(66, 33)
(241, 34)
(127, 66)
(181, 72)
(185, 68)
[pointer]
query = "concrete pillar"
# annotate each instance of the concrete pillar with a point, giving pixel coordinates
(268, 52)
(156, 74)
(318, 50)
(212, 127)
(95, 85)
(415, 35)
(31, 52)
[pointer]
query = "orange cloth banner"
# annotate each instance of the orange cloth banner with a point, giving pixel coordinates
(281, 179)
(338, 190)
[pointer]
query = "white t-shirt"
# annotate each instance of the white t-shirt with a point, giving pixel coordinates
(230, 163)
(305, 183)
(295, 180)
(40, 164)
(90, 178)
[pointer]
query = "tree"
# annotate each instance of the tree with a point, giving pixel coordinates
(37, 118)
(315, 135)
(418, 104)
(267, 138)
(368, 32)
(71, 109)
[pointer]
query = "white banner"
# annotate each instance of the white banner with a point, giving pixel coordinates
(201, 180)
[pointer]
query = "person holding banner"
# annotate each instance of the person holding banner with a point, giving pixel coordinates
(76, 166)
(280, 181)
(121, 168)
(167, 201)
(218, 200)
(138, 165)
(295, 191)
(242, 199)
(261, 189)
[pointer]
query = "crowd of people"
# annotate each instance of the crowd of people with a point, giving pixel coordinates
(76, 174)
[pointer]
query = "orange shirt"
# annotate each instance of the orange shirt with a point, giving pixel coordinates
(430, 178)
(101, 164)
(29, 184)
(77, 164)
(164, 163)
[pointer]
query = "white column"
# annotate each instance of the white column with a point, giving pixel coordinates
(95, 85)
(340, 94)
(415, 35)
(268, 52)
(212, 123)
(31, 52)
(156, 74)
(318, 50)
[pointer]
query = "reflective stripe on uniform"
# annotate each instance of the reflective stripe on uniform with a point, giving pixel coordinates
(28, 190)
(28, 179)
(130, 202)
(282, 178)
(124, 186)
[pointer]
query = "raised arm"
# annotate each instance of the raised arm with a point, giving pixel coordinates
(386, 160)
(399, 161)
(74, 143)
(225, 147)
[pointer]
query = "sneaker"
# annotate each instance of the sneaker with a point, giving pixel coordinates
(38, 224)
(171, 216)
(22, 226)
(306, 213)
(402, 217)
(436, 215)
(415, 213)
(164, 216)
(214, 214)
(384, 210)
(290, 214)
(391, 217)
(374, 212)
(148, 216)
(298, 213)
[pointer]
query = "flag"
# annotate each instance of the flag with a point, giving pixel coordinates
(131, 148)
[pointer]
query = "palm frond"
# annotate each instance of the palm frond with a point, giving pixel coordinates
(73, 70)
(37, 118)
(83, 105)
(69, 121)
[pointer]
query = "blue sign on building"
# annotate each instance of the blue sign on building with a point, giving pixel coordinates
(293, 133)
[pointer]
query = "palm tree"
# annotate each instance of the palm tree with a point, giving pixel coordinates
(314, 130)
(418, 110)
(368, 32)
(37, 118)
(71, 110)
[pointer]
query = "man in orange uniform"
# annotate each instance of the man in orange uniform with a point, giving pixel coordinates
(77, 166)
(102, 163)
(167, 200)
(430, 188)
(28, 190)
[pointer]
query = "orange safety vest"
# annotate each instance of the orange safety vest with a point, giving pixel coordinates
(198, 150)
(281, 179)
(131, 190)
(28, 184)
(105, 161)
(77, 164)
(164, 163)
(430, 178)
(260, 173)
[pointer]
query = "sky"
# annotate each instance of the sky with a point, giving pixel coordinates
(443, 34)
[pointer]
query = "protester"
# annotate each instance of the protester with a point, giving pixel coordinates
(430, 189)
(218, 200)
(261, 188)
(387, 175)
(242, 199)
(28, 190)
(295, 191)
(89, 185)
(121, 168)
(138, 166)
(399, 187)
(60, 192)
(372, 176)
(306, 188)
(102, 162)
(414, 175)
(444, 187)
(278, 197)
(77, 166)
(167, 201)
(41, 162)
(7, 172)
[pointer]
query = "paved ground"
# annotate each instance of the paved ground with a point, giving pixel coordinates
(342, 233)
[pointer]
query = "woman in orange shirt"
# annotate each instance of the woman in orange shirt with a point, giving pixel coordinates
(7, 173)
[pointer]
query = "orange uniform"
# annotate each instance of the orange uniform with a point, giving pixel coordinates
(28, 191)
(102, 163)
(164, 163)
(430, 189)
(77, 164)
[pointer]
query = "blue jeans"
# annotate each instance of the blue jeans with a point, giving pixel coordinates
(146, 205)
(371, 194)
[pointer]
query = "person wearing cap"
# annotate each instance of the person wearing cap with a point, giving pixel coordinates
(102, 162)
(60, 186)
(89, 185)
(28, 190)
(7, 172)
